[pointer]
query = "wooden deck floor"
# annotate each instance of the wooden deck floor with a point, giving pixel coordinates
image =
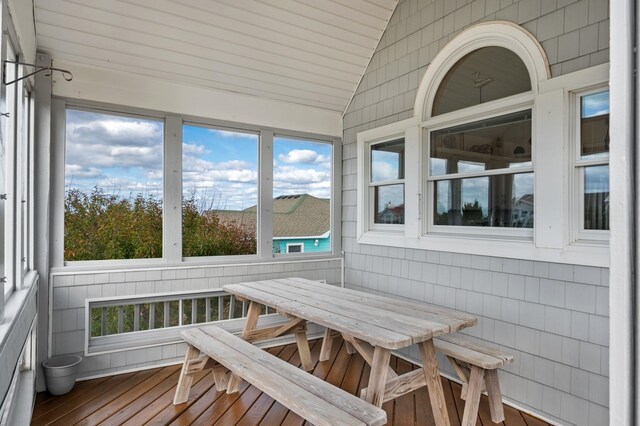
(146, 397)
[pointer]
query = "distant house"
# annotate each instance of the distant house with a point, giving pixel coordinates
(391, 214)
(301, 223)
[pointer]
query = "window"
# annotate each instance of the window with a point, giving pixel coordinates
(592, 164)
(386, 183)
(113, 186)
(220, 191)
(484, 75)
(481, 174)
(302, 175)
(131, 196)
(295, 248)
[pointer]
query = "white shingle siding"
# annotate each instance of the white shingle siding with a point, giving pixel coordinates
(553, 317)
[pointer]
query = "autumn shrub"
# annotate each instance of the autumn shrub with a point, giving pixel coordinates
(100, 226)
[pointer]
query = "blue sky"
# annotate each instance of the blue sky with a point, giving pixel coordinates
(123, 155)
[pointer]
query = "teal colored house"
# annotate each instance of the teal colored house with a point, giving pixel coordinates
(301, 223)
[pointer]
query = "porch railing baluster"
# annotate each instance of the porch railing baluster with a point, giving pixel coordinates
(120, 319)
(207, 309)
(152, 316)
(136, 317)
(103, 325)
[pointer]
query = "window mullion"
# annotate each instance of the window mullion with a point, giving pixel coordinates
(172, 203)
(265, 199)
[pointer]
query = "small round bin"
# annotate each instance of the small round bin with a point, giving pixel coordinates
(60, 373)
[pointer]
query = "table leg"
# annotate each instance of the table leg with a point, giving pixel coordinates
(250, 323)
(304, 351)
(378, 376)
(434, 384)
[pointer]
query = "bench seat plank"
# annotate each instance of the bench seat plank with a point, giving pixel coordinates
(472, 353)
(316, 400)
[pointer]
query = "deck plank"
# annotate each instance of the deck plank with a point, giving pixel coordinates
(146, 397)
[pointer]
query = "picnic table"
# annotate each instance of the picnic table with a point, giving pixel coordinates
(373, 325)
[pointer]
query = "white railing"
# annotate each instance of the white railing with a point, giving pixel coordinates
(120, 323)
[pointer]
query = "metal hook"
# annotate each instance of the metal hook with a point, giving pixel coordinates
(66, 74)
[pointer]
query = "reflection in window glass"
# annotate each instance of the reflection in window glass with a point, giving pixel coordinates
(387, 161)
(389, 204)
(481, 76)
(302, 195)
(493, 201)
(113, 187)
(495, 143)
(594, 125)
(386, 185)
(220, 192)
(596, 197)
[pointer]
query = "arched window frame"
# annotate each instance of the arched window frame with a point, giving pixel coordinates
(493, 34)
(552, 238)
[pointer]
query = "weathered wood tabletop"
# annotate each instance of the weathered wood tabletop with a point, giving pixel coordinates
(374, 325)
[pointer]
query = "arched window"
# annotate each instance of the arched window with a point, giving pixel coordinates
(476, 100)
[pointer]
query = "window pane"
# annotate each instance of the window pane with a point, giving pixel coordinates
(113, 187)
(389, 204)
(220, 192)
(483, 75)
(497, 201)
(497, 143)
(596, 197)
(387, 161)
(594, 125)
(302, 195)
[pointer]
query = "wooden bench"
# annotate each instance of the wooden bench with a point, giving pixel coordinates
(308, 396)
(477, 366)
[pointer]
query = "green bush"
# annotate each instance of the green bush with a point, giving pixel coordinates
(100, 226)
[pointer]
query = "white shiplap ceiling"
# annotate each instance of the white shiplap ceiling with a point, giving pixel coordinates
(308, 52)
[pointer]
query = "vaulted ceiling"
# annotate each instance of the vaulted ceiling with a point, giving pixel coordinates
(308, 52)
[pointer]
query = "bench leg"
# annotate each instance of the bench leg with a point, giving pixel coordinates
(186, 376)
(434, 383)
(220, 377)
(474, 390)
(495, 396)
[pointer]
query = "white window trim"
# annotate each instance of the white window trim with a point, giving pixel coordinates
(301, 245)
(372, 225)
(479, 112)
(578, 233)
(551, 121)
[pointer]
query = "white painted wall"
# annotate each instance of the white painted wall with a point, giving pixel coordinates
(121, 88)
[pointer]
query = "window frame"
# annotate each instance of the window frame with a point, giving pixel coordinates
(578, 166)
(172, 218)
(335, 204)
(202, 124)
(485, 111)
(373, 226)
(553, 143)
(289, 245)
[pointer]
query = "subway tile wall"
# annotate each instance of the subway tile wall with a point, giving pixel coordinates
(71, 290)
(553, 317)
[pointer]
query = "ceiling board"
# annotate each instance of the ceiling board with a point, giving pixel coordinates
(309, 52)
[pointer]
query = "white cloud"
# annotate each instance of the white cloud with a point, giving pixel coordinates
(301, 156)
